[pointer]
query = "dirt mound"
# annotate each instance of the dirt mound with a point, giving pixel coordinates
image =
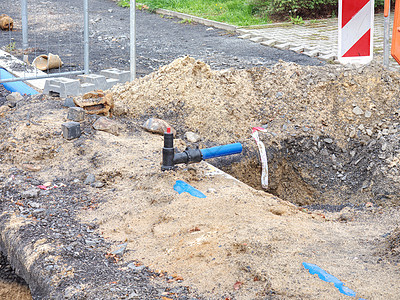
(330, 128)
(238, 242)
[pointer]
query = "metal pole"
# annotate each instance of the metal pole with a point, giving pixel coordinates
(54, 75)
(86, 36)
(24, 20)
(133, 39)
(386, 34)
(24, 12)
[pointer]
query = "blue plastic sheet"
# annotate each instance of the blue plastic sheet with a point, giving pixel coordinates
(323, 275)
(181, 187)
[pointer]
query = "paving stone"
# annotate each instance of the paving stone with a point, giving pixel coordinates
(312, 53)
(318, 40)
(297, 49)
(242, 31)
(71, 130)
(245, 36)
(269, 43)
(328, 56)
(257, 39)
(284, 46)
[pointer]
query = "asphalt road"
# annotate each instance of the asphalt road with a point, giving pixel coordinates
(160, 39)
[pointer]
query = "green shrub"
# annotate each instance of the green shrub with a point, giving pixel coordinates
(303, 8)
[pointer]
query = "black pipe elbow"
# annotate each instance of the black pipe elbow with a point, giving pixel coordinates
(188, 156)
(170, 158)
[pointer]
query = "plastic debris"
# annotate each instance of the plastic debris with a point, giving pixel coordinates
(323, 275)
(181, 187)
(46, 62)
(263, 156)
(6, 22)
(46, 187)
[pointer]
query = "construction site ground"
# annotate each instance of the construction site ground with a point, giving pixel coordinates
(96, 218)
(332, 145)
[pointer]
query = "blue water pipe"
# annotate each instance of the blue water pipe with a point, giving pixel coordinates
(17, 86)
(170, 158)
(222, 150)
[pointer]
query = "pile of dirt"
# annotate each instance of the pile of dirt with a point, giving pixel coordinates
(238, 242)
(330, 128)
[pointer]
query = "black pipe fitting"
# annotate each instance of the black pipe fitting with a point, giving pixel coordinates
(168, 152)
(170, 158)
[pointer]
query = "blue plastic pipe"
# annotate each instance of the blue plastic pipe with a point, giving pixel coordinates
(221, 150)
(17, 86)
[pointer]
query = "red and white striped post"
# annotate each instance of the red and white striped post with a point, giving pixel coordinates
(356, 24)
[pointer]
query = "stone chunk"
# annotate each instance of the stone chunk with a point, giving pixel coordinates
(120, 250)
(69, 102)
(157, 126)
(71, 130)
(135, 268)
(192, 137)
(358, 111)
(3, 110)
(90, 178)
(76, 114)
(31, 193)
(107, 125)
(15, 96)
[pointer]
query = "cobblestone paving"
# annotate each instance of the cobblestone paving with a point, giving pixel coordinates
(314, 38)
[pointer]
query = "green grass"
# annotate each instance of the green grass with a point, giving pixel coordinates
(234, 12)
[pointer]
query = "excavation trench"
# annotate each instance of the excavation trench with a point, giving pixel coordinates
(314, 171)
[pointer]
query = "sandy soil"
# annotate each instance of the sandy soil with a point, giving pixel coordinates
(239, 242)
(10, 291)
